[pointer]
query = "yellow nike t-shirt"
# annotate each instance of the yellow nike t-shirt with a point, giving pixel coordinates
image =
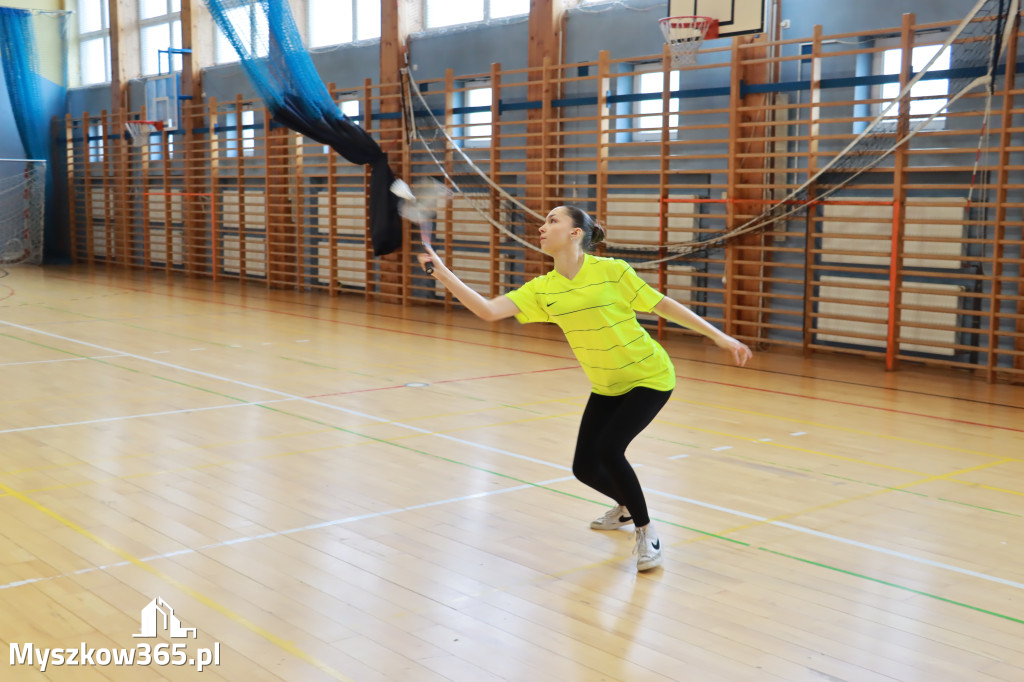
(596, 311)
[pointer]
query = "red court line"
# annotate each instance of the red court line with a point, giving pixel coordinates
(10, 292)
(843, 402)
(445, 381)
(549, 355)
(323, 319)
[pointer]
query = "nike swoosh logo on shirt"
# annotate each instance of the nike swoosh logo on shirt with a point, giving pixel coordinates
(657, 545)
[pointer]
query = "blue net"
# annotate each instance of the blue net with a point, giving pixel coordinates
(264, 34)
(33, 54)
(36, 86)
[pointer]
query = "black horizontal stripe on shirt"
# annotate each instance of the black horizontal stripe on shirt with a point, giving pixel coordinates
(605, 350)
(585, 286)
(581, 310)
(607, 326)
(617, 383)
(603, 305)
(637, 293)
(616, 369)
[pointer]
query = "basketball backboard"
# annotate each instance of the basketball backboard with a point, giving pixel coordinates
(162, 101)
(735, 17)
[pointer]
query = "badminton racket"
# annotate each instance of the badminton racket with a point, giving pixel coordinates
(420, 207)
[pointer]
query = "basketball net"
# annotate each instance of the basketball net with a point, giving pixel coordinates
(137, 132)
(685, 35)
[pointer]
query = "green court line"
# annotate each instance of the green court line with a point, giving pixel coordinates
(523, 409)
(975, 506)
(106, 362)
(868, 483)
(475, 467)
(521, 481)
(304, 361)
(892, 584)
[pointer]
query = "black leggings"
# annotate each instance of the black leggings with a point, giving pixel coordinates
(609, 425)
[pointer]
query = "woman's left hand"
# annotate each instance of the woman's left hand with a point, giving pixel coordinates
(740, 351)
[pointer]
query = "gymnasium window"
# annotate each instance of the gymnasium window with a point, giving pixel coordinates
(351, 109)
(935, 90)
(441, 13)
(334, 22)
(156, 152)
(472, 129)
(96, 144)
(478, 123)
(248, 134)
(648, 111)
(250, 24)
(94, 41)
(159, 29)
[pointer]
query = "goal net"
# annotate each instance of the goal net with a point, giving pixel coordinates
(22, 201)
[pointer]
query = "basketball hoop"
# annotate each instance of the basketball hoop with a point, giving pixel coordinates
(685, 35)
(137, 132)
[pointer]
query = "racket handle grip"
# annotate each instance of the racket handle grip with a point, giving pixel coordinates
(429, 267)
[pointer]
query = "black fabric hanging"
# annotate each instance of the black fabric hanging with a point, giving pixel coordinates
(356, 146)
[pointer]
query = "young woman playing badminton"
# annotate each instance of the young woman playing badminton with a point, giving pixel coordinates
(594, 301)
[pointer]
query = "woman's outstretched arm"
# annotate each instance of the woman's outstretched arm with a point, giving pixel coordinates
(674, 311)
(489, 310)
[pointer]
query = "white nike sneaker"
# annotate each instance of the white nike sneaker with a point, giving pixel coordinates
(648, 548)
(616, 517)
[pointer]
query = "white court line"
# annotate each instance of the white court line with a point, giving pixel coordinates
(734, 512)
(837, 538)
(290, 531)
(286, 396)
(106, 420)
(44, 362)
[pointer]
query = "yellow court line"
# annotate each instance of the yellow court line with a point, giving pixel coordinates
(577, 402)
(791, 447)
(285, 645)
(687, 426)
(989, 487)
(519, 421)
(834, 427)
(855, 498)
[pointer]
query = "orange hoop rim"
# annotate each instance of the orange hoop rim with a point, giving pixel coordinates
(159, 125)
(694, 21)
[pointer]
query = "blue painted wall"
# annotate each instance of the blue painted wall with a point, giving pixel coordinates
(10, 145)
(625, 31)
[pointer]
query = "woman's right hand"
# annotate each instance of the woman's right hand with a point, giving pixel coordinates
(429, 257)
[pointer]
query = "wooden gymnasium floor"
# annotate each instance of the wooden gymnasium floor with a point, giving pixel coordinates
(334, 490)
